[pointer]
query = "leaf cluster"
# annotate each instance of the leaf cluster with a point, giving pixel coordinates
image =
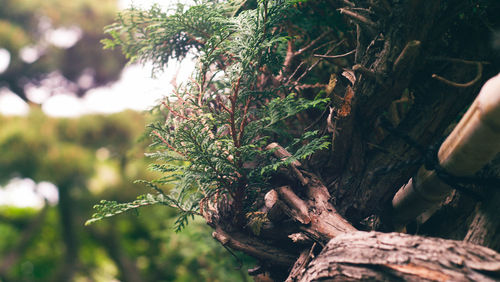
(211, 140)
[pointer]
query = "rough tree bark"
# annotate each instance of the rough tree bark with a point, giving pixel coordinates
(378, 256)
(417, 64)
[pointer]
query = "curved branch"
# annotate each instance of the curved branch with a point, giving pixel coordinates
(463, 85)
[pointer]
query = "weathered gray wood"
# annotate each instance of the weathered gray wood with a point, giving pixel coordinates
(375, 256)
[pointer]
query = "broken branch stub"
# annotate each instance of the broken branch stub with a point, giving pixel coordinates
(298, 207)
(318, 218)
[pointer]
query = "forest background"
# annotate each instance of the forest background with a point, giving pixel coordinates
(53, 49)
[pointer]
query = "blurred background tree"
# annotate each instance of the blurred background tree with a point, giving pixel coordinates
(56, 45)
(90, 158)
(41, 40)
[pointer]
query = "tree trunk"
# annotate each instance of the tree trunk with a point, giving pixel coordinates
(69, 267)
(417, 66)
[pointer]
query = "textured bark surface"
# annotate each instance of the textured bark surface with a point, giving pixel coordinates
(375, 256)
(364, 146)
(403, 49)
(485, 226)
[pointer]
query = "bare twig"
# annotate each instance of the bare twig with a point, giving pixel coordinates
(314, 65)
(296, 70)
(328, 43)
(359, 46)
(463, 85)
(315, 49)
(311, 44)
(335, 56)
(357, 17)
(362, 10)
(407, 56)
(179, 96)
(247, 244)
(228, 110)
(347, 2)
(310, 86)
(291, 55)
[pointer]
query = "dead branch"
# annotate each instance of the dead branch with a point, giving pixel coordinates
(335, 56)
(298, 207)
(406, 57)
(328, 43)
(316, 63)
(463, 85)
(326, 222)
(310, 86)
(296, 70)
(313, 66)
(291, 55)
(311, 44)
(357, 17)
(349, 3)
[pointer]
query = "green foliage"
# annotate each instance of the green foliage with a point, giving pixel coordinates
(158, 37)
(111, 208)
(63, 150)
(211, 141)
(256, 220)
(190, 255)
(67, 151)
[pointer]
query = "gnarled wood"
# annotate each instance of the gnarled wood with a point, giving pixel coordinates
(327, 195)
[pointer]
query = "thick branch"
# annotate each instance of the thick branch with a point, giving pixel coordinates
(298, 208)
(319, 219)
(253, 247)
(378, 256)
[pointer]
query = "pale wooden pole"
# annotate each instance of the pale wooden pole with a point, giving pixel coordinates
(473, 143)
